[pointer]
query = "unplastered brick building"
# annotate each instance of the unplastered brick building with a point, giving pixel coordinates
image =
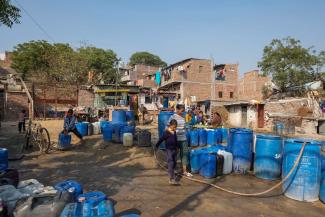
(194, 80)
(251, 85)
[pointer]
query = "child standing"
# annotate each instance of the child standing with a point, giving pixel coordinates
(172, 148)
(21, 120)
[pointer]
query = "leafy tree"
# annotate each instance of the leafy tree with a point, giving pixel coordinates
(31, 59)
(146, 58)
(289, 63)
(9, 14)
(101, 62)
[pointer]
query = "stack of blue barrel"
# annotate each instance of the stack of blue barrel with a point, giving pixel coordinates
(91, 204)
(202, 137)
(206, 161)
(163, 118)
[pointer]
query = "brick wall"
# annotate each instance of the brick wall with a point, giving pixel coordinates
(251, 85)
(227, 90)
(200, 91)
(86, 98)
(143, 70)
(16, 101)
(198, 80)
(227, 87)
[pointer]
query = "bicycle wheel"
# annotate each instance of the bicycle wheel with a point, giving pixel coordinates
(44, 140)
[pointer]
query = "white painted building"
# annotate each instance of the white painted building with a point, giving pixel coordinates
(244, 114)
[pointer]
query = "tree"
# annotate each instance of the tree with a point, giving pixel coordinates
(146, 58)
(289, 63)
(9, 14)
(31, 59)
(101, 62)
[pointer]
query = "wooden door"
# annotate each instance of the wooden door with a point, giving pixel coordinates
(260, 116)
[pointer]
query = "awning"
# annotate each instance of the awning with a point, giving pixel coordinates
(116, 91)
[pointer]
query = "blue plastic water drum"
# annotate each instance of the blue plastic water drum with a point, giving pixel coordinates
(268, 157)
(208, 167)
(211, 137)
(224, 132)
(130, 116)
(117, 128)
(92, 204)
(230, 138)
(3, 159)
(107, 132)
(322, 182)
(70, 186)
(188, 137)
(119, 116)
(64, 141)
(279, 128)
(304, 183)
(218, 135)
(242, 145)
(163, 118)
(202, 137)
(102, 123)
(215, 148)
(126, 129)
(195, 161)
(194, 138)
(103, 208)
(82, 128)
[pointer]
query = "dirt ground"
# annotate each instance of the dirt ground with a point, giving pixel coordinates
(131, 178)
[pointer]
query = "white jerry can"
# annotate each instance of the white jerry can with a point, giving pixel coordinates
(96, 128)
(227, 164)
(127, 139)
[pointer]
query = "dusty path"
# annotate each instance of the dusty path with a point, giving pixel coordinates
(132, 179)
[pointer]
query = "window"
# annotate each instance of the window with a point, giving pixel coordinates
(231, 95)
(220, 94)
(200, 69)
(147, 100)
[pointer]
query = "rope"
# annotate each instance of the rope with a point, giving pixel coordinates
(246, 194)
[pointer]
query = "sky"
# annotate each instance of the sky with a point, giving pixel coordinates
(229, 31)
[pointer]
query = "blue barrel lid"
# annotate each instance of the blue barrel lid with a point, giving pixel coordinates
(241, 130)
(268, 136)
(302, 140)
(166, 112)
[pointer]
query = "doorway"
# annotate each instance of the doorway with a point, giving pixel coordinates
(244, 116)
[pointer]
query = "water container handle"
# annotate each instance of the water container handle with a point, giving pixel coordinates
(92, 197)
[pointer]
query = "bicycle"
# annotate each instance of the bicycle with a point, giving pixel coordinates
(37, 138)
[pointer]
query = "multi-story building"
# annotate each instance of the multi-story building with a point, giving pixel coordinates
(196, 80)
(141, 75)
(251, 85)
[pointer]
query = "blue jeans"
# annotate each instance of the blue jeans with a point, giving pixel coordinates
(171, 161)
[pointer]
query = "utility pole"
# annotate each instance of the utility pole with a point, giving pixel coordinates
(117, 72)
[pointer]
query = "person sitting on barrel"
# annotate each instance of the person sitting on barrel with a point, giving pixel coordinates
(70, 121)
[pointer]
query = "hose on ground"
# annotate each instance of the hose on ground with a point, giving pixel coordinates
(240, 193)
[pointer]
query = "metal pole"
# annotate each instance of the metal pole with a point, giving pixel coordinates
(31, 111)
(117, 71)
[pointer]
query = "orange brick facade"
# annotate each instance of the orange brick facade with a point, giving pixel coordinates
(198, 80)
(251, 85)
